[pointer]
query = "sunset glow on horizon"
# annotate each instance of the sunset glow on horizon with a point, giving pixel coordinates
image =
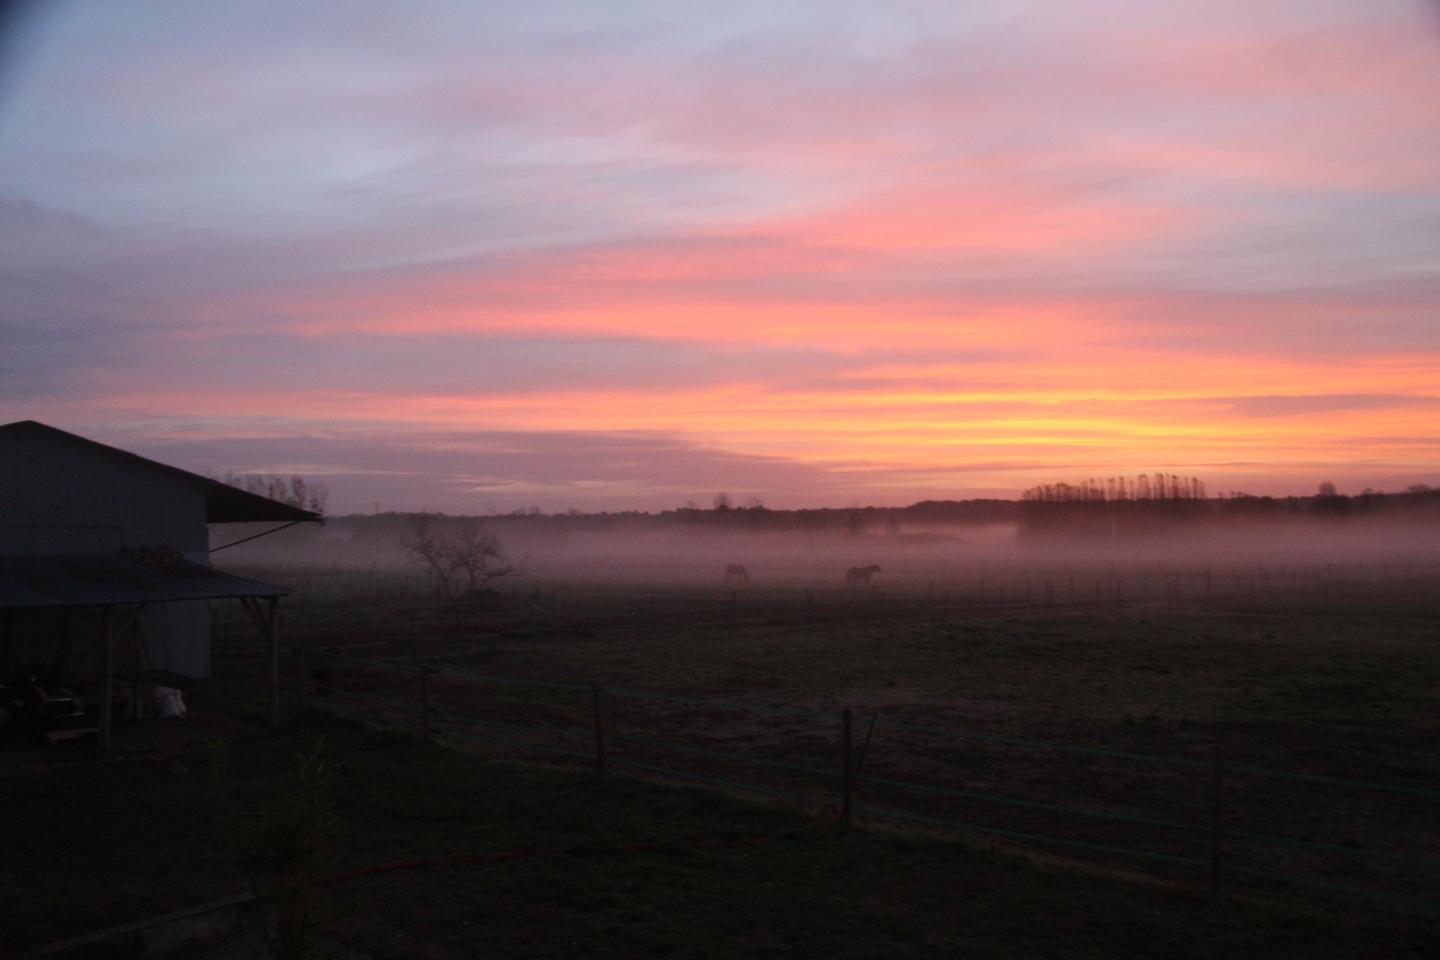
(621, 256)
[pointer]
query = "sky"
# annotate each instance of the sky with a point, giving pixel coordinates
(485, 256)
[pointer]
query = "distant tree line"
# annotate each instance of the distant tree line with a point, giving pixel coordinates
(460, 557)
(1162, 486)
(1159, 503)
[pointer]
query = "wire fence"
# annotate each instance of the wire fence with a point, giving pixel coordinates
(346, 605)
(1211, 819)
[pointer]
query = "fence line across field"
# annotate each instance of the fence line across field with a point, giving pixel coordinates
(799, 607)
(393, 665)
(845, 779)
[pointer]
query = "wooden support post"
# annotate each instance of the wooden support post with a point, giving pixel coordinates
(8, 659)
(1216, 819)
(107, 670)
(847, 771)
(272, 641)
(599, 728)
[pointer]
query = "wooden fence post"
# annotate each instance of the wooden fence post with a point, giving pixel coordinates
(1216, 828)
(271, 624)
(847, 771)
(107, 669)
(599, 728)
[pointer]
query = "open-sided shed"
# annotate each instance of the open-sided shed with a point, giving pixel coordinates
(101, 545)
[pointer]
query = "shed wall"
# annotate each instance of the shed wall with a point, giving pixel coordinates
(61, 498)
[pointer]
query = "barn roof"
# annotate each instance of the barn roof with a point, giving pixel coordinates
(223, 503)
(105, 580)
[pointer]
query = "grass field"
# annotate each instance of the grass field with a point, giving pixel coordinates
(941, 677)
(617, 867)
(1112, 698)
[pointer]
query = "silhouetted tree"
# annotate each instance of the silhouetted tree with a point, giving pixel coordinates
(473, 556)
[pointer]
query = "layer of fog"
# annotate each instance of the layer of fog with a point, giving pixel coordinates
(639, 552)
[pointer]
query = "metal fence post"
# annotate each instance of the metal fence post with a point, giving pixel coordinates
(300, 656)
(599, 728)
(1216, 826)
(847, 771)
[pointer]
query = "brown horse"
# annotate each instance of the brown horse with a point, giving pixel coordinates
(736, 574)
(860, 576)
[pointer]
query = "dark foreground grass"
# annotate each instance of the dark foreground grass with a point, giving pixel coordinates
(90, 844)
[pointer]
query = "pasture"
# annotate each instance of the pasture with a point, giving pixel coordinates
(1031, 767)
(1069, 711)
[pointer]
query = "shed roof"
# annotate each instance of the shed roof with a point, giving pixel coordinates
(104, 580)
(223, 503)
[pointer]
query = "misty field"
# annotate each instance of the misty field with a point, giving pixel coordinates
(1033, 759)
(1067, 710)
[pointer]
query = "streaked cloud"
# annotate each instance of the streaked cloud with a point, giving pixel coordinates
(867, 252)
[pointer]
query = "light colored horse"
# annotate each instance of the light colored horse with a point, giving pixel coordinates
(860, 576)
(736, 574)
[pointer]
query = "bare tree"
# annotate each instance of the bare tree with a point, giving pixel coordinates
(429, 548)
(294, 490)
(477, 555)
(470, 558)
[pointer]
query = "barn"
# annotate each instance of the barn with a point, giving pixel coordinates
(104, 566)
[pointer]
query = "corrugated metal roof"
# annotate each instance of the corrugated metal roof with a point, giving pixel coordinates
(77, 581)
(223, 503)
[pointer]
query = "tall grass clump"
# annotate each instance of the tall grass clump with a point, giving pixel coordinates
(290, 845)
